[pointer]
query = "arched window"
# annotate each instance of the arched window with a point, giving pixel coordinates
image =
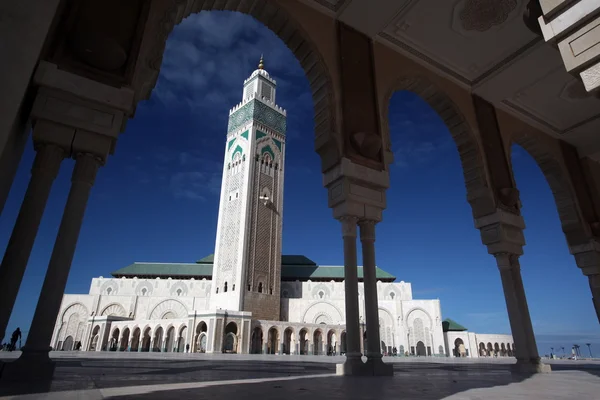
(179, 292)
(217, 290)
(225, 288)
(270, 290)
(260, 287)
(233, 287)
(321, 294)
(144, 291)
(249, 287)
(109, 291)
(392, 295)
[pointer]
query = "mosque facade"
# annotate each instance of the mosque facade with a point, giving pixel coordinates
(248, 297)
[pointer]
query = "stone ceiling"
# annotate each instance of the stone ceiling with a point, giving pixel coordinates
(491, 53)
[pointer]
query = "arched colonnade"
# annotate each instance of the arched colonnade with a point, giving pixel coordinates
(351, 136)
(297, 339)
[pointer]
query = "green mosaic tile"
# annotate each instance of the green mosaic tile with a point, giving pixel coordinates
(231, 142)
(260, 134)
(277, 143)
(267, 149)
(238, 149)
(245, 135)
(260, 112)
(269, 117)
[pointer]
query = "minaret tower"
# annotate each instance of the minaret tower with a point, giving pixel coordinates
(247, 264)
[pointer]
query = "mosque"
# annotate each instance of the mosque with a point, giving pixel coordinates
(248, 297)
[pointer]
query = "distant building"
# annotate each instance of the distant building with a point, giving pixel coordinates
(460, 342)
(247, 298)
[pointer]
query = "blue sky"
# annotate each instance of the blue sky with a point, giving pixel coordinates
(157, 197)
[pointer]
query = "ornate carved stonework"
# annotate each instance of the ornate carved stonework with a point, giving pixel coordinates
(502, 232)
(509, 200)
(367, 144)
(348, 225)
(481, 15)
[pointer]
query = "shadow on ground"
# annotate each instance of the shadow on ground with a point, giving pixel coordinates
(154, 378)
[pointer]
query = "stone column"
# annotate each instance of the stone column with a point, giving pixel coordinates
(374, 361)
(36, 349)
(44, 171)
(502, 233)
(367, 238)
(353, 354)
(528, 359)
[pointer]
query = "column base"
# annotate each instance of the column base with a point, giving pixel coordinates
(377, 367)
(30, 373)
(351, 367)
(530, 367)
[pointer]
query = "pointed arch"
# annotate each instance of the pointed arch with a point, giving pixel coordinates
(276, 17)
(238, 149)
(479, 194)
(114, 309)
(267, 150)
(548, 159)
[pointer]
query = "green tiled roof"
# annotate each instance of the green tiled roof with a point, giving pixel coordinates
(296, 260)
(140, 269)
(450, 325)
(209, 259)
(293, 267)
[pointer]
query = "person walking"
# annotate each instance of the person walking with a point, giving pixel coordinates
(16, 335)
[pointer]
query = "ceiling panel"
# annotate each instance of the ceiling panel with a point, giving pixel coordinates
(556, 99)
(484, 46)
(468, 36)
(371, 16)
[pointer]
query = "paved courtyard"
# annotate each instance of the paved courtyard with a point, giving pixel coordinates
(191, 376)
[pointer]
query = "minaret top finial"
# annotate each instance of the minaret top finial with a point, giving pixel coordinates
(261, 64)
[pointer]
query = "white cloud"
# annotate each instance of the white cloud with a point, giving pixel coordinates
(209, 55)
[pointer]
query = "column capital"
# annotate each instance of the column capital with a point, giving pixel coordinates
(367, 229)
(587, 257)
(502, 232)
(507, 261)
(356, 189)
(48, 159)
(86, 167)
(349, 223)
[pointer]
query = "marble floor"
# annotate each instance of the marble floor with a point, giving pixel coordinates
(107, 375)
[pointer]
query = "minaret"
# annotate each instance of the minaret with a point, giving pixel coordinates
(247, 264)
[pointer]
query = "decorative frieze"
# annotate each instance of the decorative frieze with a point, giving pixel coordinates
(262, 113)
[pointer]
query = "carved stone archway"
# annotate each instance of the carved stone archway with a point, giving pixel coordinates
(479, 194)
(163, 17)
(547, 158)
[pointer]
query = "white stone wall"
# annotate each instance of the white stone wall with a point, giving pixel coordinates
(323, 303)
(308, 306)
(153, 287)
(501, 345)
(72, 319)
